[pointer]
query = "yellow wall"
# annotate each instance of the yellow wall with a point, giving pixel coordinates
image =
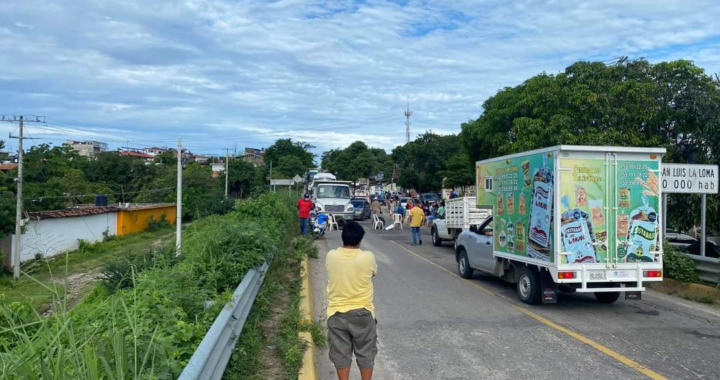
(132, 221)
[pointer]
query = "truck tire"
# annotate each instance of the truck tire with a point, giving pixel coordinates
(436, 237)
(528, 285)
(608, 297)
(464, 265)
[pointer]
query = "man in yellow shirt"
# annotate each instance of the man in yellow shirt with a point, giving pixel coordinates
(416, 218)
(351, 313)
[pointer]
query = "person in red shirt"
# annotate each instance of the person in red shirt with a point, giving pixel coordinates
(304, 206)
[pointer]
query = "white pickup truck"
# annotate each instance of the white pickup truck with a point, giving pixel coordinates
(460, 214)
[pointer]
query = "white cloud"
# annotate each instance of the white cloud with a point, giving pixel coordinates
(330, 72)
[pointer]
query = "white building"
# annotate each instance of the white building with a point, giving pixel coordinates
(87, 148)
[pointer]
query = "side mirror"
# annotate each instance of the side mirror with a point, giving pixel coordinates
(473, 228)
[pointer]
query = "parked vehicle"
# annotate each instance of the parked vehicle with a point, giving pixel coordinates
(429, 198)
(711, 249)
(460, 214)
(683, 242)
(319, 224)
(362, 208)
(333, 197)
(404, 202)
(568, 218)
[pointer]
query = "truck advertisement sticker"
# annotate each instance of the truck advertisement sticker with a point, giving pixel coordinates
(520, 193)
(583, 221)
(637, 218)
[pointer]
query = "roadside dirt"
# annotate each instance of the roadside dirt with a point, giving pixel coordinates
(273, 366)
(77, 286)
(694, 292)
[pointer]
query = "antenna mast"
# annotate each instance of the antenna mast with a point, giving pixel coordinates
(408, 113)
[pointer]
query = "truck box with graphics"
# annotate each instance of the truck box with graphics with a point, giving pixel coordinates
(590, 215)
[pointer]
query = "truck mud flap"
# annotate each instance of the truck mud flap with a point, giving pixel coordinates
(635, 296)
(549, 287)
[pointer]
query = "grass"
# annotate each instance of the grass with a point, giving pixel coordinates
(269, 346)
(693, 292)
(42, 279)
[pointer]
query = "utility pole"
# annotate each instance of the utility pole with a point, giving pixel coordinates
(227, 169)
(178, 219)
(270, 185)
(18, 206)
(408, 113)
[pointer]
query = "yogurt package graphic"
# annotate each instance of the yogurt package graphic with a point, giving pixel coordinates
(541, 214)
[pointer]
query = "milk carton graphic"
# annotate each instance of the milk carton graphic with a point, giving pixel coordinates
(540, 214)
(577, 240)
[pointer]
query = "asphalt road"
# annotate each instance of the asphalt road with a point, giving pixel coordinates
(432, 324)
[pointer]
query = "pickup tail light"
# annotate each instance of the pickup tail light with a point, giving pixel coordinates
(566, 275)
(652, 273)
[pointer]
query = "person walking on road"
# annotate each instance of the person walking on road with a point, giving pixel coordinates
(351, 313)
(416, 218)
(304, 206)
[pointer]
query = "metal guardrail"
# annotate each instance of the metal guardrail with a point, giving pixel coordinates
(212, 355)
(707, 267)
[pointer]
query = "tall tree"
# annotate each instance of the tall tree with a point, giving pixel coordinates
(288, 147)
(635, 103)
(423, 160)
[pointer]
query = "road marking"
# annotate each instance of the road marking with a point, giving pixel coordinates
(622, 359)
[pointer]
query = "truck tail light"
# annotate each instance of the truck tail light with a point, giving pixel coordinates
(653, 273)
(566, 275)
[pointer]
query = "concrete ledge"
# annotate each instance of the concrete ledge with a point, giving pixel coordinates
(306, 303)
(309, 369)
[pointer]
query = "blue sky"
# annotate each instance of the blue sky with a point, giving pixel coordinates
(223, 73)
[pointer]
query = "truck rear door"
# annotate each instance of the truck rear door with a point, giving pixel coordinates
(636, 208)
(609, 208)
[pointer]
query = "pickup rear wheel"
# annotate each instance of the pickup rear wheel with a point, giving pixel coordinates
(608, 297)
(436, 237)
(528, 285)
(464, 265)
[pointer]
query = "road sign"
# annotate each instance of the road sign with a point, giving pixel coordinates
(689, 179)
(297, 178)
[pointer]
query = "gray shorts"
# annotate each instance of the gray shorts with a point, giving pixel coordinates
(353, 331)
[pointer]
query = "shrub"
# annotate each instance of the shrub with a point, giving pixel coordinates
(678, 266)
(150, 322)
(157, 224)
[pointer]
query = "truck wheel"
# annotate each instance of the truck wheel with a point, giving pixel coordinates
(464, 265)
(608, 297)
(436, 238)
(528, 286)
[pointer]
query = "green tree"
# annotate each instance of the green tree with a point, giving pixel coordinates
(288, 167)
(458, 172)
(635, 103)
(423, 161)
(288, 147)
(243, 177)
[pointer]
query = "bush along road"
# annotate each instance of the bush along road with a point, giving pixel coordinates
(147, 316)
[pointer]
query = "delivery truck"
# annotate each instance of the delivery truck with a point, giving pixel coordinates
(460, 215)
(570, 219)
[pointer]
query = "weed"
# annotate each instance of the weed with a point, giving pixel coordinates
(317, 330)
(157, 224)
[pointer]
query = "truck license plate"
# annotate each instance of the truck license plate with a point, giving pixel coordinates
(597, 275)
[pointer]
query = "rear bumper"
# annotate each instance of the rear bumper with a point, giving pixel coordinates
(596, 278)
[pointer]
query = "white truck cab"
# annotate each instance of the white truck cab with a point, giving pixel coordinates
(333, 197)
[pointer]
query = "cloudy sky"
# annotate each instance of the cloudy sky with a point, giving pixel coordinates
(226, 73)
